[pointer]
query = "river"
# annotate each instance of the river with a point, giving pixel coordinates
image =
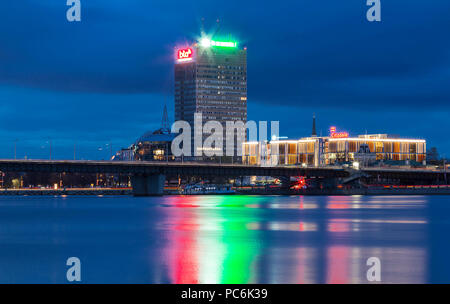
(225, 239)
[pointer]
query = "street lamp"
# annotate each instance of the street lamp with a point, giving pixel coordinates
(110, 150)
(15, 149)
(49, 142)
(106, 146)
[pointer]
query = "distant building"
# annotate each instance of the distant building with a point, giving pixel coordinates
(154, 146)
(124, 154)
(336, 148)
(364, 156)
(211, 78)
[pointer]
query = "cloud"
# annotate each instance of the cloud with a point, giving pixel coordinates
(110, 75)
(89, 119)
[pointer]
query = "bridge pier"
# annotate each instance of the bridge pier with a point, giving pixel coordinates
(148, 184)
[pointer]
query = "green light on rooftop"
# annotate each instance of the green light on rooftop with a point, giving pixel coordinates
(205, 42)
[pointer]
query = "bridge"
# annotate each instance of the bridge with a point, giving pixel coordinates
(148, 178)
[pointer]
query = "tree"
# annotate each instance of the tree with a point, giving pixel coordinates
(432, 154)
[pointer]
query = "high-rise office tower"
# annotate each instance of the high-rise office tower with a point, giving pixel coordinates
(211, 78)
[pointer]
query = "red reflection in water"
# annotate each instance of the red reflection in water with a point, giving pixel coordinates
(302, 263)
(182, 260)
(338, 202)
(337, 261)
(302, 226)
(301, 202)
(184, 202)
(337, 226)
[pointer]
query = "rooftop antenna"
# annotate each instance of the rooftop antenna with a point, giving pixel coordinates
(165, 121)
(202, 29)
(218, 26)
(314, 132)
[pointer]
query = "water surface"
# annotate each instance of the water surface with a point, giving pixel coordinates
(225, 239)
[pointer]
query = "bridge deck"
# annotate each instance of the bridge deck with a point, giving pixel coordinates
(205, 169)
(167, 168)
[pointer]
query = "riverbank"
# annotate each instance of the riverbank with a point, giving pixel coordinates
(411, 190)
(69, 191)
(418, 190)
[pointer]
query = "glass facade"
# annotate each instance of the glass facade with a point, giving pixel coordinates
(318, 151)
(343, 150)
(154, 146)
(281, 153)
(213, 82)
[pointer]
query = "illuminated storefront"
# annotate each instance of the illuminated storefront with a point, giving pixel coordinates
(337, 148)
(285, 152)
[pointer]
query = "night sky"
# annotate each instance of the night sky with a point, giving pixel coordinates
(106, 79)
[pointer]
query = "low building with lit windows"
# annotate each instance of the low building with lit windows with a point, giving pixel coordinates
(154, 146)
(337, 148)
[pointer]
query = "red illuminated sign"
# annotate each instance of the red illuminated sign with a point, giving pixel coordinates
(339, 135)
(185, 54)
(335, 134)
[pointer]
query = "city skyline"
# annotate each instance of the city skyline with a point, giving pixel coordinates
(117, 78)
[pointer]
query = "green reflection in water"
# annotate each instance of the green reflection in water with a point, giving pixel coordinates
(241, 246)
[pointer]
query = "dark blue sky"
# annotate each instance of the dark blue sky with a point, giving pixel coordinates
(106, 78)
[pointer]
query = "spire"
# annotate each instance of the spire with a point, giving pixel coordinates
(202, 29)
(217, 28)
(314, 133)
(165, 121)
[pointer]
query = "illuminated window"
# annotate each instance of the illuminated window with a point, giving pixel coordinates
(292, 159)
(302, 158)
(388, 147)
(158, 152)
(292, 148)
(332, 147)
(302, 148)
(282, 148)
(353, 146)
